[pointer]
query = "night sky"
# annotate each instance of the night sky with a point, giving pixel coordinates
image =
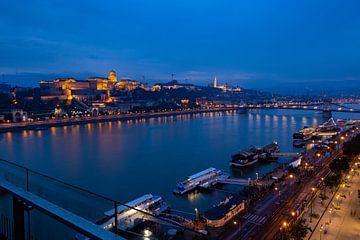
(238, 41)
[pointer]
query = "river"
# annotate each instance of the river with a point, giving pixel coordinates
(126, 159)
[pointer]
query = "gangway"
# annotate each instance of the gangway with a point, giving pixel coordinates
(285, 154)
(72, 220)
(236, 181)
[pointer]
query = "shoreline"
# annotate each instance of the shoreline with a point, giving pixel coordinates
(39, 125)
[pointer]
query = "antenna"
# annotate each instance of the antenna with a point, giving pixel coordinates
(172, 76)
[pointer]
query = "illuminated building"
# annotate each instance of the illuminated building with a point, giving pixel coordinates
(174, 84)
(112, 76)
(65, 83)
(67, 88)
(226, 88)
(99, 83)
(128, 84)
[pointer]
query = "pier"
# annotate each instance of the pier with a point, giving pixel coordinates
(237, 181)
(285, 154)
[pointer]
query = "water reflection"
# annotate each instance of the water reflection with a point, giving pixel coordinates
(125, 160)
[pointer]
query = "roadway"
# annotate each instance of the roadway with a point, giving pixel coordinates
(263, 221)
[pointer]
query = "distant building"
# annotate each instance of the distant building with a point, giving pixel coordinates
(226, 88)
(62, 84)
(18, 115)
(112, 76)
(128, 84)
(174, 84)
(67, 88)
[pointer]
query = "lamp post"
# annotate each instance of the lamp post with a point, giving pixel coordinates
(237, 223)
(283, 229)
(320, 230)
(311, 204)
(330, 211)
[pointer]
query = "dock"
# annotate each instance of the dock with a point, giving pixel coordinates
(285, 154)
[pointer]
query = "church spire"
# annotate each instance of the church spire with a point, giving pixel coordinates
(215, 83)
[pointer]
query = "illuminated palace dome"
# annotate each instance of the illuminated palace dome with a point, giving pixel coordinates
(112, 76)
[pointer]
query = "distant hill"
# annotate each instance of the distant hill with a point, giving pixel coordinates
(330, 88)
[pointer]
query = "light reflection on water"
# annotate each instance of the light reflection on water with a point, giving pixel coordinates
(126, 159)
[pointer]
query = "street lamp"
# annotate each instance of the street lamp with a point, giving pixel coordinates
(311, 204)
(285, 224)
(320, 230)
(330, 211)
(293, 213)
(236, 223)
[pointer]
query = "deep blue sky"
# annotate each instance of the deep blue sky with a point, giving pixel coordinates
(242, 42)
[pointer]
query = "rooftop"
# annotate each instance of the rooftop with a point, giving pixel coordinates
(219, 211)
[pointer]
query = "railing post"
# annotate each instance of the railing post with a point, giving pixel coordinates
(19, 223)
(27, 179)
(116, 216)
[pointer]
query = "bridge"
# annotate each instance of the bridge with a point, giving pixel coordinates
(326, 106)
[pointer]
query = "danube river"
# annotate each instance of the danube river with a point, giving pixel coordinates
(126, 159)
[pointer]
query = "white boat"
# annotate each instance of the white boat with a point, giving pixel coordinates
(146, 203)
(204, 178)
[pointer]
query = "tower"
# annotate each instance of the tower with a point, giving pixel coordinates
(215, 83)
(112, 76)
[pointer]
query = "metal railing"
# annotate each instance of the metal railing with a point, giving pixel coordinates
(82, 202)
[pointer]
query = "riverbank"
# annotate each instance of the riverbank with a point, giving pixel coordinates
(41, 125)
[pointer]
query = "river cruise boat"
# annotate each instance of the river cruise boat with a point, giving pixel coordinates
(127, 214)
(329, 127)
(244, 158)
(301, 137)
(205, 179)
(252, 155)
